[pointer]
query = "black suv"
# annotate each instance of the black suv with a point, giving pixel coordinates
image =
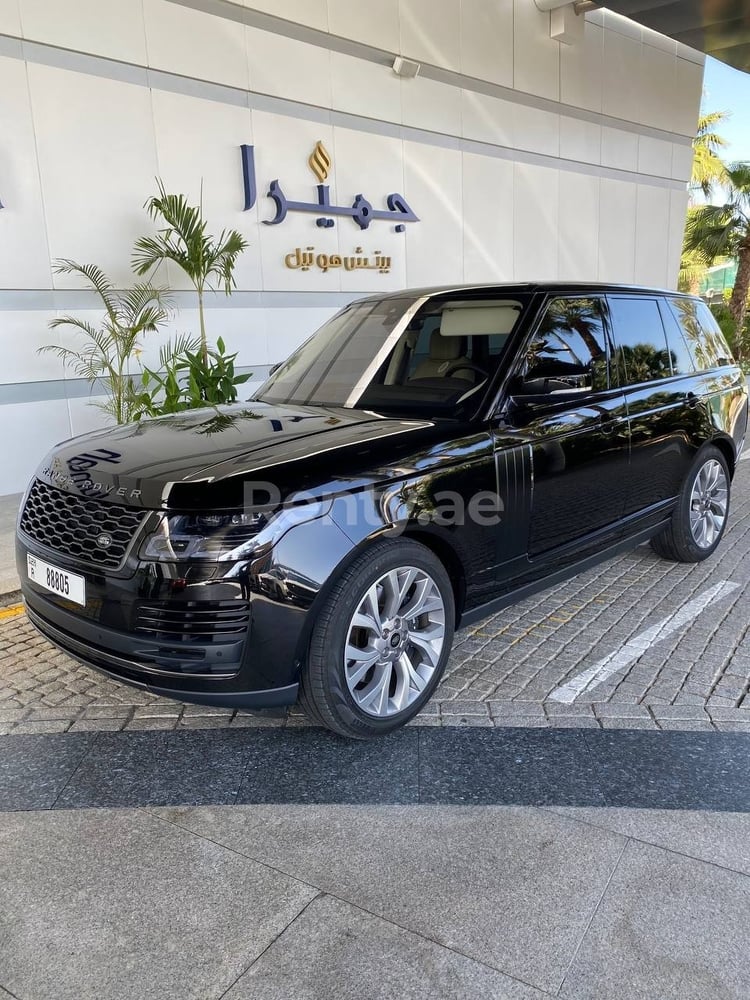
(424, 459)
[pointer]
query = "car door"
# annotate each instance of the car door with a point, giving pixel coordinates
(656, 373)
(563, 407)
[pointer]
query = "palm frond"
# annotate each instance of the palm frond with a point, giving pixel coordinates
(231, 243)
(182, 344)
(178, 214)
(181, 239)
(145, 307)
(223, 257)
(109, 407)
(103, 353)
(708, 169)
(738, 178)
(143, 293)
(707, 123)
(713, 231)
(96, 278)
(150, 251)
(149, 319)
(84, 365)
(78, 324)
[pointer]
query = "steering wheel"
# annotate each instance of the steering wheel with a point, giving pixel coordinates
(463, 365)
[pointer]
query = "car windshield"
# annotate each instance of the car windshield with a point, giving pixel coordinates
(401, 355)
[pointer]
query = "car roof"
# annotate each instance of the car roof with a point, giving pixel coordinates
(527, 287)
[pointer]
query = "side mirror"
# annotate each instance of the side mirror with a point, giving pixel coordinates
(552, 386)
(528, 396)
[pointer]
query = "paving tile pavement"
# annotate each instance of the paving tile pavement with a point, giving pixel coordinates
(335, 949)
(514, 876)
(644, 932)
(501, 672)
(230, 868)
(664, 925)
(180, 917)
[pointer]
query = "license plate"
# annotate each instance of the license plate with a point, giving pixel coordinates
(56, 580)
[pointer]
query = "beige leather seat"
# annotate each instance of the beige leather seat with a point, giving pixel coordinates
(445, 353)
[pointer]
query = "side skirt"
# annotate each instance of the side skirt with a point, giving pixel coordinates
(624, 545)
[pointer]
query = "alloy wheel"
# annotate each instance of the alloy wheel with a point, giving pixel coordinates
(394, 641)
(708, 503)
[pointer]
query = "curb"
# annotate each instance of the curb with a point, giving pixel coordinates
(8, 612)
(9, 582)
(112, 715)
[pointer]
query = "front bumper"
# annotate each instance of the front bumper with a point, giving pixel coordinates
(93, 646)
(232, 634)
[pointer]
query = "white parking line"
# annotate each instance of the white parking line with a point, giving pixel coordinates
(633, 648)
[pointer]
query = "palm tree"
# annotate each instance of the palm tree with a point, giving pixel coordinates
(692, 265)
(109, 349)
(724, 231)
(708, 166)
(183, 240)
(709, 170)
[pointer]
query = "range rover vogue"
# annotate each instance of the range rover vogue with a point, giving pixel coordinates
(426, 458)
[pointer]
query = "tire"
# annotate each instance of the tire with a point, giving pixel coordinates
(378, 691)
(693, 533)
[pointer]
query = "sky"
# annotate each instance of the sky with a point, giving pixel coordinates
(727, 89)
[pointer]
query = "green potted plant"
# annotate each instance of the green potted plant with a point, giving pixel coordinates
(110, 349)
(182, 238)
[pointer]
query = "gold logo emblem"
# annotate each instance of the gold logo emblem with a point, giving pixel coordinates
(320, 162)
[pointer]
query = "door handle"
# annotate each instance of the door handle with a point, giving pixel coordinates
(692, 400)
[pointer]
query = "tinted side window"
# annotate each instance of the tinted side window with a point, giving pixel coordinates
(702, 333)
(570, 345)
(679, 355)
(640, 338)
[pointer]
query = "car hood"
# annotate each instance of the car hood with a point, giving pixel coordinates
(205, 458)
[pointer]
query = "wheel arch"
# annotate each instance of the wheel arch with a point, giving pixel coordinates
(437, 544)
(442, 548)
(727, 448)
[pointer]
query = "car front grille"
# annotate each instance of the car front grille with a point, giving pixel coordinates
(71, 525)
(198, 622)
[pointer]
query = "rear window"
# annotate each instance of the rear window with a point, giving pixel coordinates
(640, 337)
(702, 334)
(679, 355)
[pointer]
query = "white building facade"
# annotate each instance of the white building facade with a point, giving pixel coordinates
(510, 156)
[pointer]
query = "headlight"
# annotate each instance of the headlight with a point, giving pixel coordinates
(199, 536)
(222, 537)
